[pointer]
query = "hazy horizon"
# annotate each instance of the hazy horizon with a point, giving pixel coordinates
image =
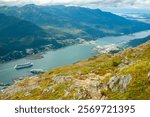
(101, 4)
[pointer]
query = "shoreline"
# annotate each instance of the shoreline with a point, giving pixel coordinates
(34, 75)
(36, 56)
(40, 53)
(54, 78)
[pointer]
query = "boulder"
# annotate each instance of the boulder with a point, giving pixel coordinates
(126, 61)
(61, 79)
(95, 85)
(124, 82)
(119, 83)
(122, 66)
(112, 81)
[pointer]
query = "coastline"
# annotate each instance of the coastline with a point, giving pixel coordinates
(54, 58)
(35, 56)
(55, 79)
(37, 53)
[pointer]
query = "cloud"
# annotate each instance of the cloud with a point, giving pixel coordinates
(90, 3)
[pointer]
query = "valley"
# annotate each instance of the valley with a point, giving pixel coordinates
(106, 76)
(31, 29)
(69, 55)
(51, 52)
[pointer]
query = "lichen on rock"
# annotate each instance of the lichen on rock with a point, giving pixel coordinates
(119, 83)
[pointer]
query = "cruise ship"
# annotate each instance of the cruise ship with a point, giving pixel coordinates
(24, 65)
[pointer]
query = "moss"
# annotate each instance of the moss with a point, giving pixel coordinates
(115, 63)
(45, 83)
(17, 95)
(58, 91)
(23, 83)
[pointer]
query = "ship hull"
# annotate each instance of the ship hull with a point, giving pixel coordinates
(22, 67)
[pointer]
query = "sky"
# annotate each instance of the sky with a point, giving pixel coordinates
(138, 4)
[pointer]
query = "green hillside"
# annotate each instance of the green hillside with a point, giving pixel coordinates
(89, 23)
(18, 35)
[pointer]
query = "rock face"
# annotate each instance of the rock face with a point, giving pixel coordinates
(89, 89)
(149, 76)
(60, 79)
(119, 83)
(112, 82)
(126, 63)
(27, 94)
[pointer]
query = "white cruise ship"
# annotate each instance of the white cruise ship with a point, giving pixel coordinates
(24, 65)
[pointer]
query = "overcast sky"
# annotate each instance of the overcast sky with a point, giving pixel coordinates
(142, 4)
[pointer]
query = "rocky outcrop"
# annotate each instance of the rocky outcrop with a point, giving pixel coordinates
(138, 53)
(22, 85)
(89, 89)
(119, 83)
(126, 63)
(27, 94)
(60, 79)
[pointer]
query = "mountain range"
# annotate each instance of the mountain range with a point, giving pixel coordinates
(32, 26)
(29, 29)
(16, 34)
